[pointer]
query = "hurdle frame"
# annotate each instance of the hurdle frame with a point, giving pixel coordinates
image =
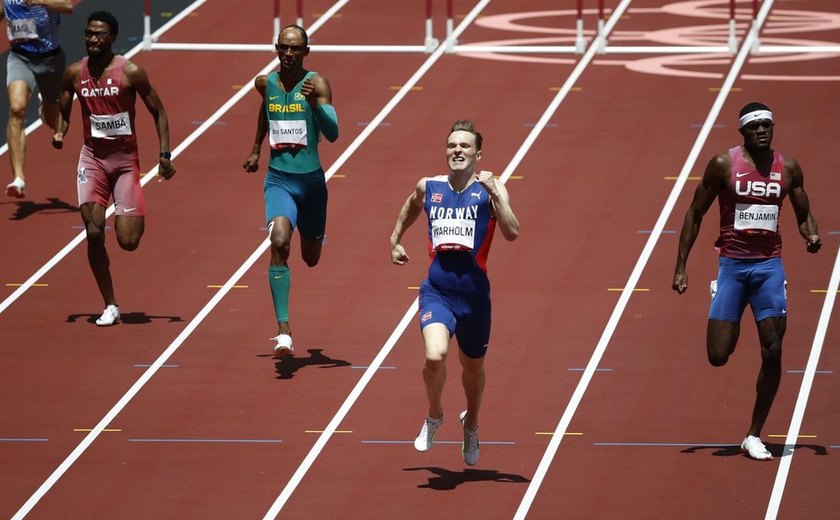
(430, 43)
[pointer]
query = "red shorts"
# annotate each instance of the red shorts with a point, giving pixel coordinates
(100, 176)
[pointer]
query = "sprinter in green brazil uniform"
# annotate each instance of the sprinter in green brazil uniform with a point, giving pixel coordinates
(295, 111)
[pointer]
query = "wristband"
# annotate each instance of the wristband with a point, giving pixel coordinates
(166, 155)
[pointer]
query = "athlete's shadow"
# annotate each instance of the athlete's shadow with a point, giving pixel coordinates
(288, 365)
(447, 480)
(53, 205)
(733, 450)
(130, 318)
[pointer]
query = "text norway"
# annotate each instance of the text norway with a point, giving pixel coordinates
(470, 212)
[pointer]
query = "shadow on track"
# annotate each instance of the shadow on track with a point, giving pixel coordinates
(130, 318)
(447, 480)
(288, 365)
(27, 208)
(732, 450)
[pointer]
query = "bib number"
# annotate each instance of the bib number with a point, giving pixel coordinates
(22, 29)
(110, 126)
(287, 134)
(453, 234)
(756, 217)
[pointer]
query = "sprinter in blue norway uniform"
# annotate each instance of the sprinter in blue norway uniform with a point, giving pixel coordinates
(463, 209)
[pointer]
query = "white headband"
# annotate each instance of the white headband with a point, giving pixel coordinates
(757, 114)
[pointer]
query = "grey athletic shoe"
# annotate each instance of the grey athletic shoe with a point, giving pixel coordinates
(470, 448)
(426, 437)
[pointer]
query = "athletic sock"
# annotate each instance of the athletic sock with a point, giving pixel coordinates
(280, 280)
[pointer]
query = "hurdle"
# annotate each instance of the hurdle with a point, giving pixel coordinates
(430, 43)
(150, 42)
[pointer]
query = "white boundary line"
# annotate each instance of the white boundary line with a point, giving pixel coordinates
(804, 392)
(194, 323)
(626, 293)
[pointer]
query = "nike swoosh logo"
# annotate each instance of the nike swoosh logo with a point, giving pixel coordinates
(278, 276)
(272, 98)
(739, 175)
(129, 210)
(85, 81)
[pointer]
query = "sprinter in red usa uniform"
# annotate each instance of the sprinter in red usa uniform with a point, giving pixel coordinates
(750, 183)
(107, 86)
(463, 209)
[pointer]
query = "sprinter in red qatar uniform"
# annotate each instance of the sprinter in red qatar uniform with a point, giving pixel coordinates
(750, 182)
(107, 86)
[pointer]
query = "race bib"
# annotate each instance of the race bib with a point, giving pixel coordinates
(764, 217)
(22, 29)
(453, 234)
(110, 126)
(285, 134)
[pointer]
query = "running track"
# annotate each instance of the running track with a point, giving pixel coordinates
(587, 333)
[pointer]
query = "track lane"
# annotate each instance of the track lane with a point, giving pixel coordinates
(547, 376)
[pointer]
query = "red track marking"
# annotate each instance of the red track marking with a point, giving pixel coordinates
(547, 318)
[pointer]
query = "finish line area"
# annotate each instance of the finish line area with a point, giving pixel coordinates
(740, 18)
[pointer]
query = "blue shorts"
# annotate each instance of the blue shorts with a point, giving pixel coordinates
(761, 283)
(300, 197)
(465, 315)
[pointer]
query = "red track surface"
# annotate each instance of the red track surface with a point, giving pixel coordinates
(591, 185)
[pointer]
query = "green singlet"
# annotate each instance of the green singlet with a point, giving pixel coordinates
(292, 129)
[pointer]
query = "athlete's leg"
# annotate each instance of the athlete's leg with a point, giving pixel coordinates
(721, 339)
(48, 112)
(279, 275)
(312, 218)
(472, 379)
(770, 334)
(129, 230)
(310, 250)
(19, 94)
(93, 216)
(436, 342)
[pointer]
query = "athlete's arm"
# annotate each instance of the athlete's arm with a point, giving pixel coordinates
(714, 180)
(136, 77)
(65, 104)
(253, 161)
(59, 6)
(802, 207)
(500, 204)
(319, 96)
(411, 209)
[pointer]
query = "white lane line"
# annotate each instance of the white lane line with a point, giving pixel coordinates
(342, 412)
(612, 323)
(804, 392)
(164, 357)
(78, 239)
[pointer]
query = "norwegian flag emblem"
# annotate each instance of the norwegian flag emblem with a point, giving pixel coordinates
(437, 197)
(426, 317)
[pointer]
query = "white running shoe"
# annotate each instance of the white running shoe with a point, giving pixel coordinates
(756, 449)
(283, 346)
(426, 437)
(470, 448)
(16, 188)
(110, 315)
